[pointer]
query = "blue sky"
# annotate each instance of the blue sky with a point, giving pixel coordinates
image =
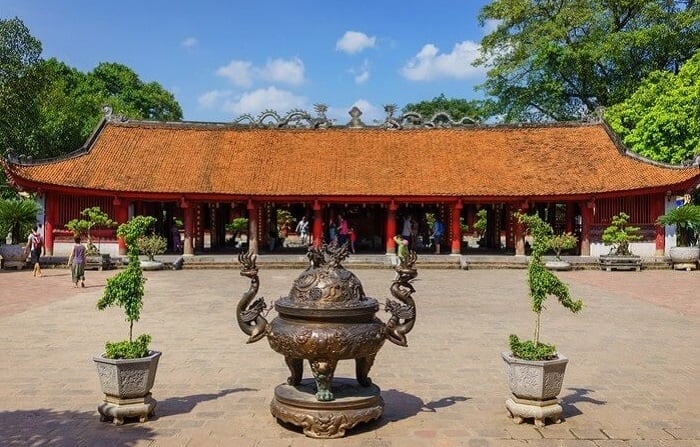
(224, 58)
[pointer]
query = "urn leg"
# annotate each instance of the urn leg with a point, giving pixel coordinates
(362, 367)
(296, 369)
(323, 374)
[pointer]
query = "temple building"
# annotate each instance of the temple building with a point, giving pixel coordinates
(575, 175)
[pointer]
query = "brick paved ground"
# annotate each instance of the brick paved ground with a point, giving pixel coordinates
(632, 378)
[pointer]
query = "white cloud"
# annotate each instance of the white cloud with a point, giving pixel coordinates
(189, 43)
(362, 75)
(429, 64)
(213, 98)
(490, 26)
(353, 42)
(244, 73)
(288, 71)
(256, 101)
(238, 72)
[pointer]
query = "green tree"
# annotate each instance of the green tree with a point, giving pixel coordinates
(20, 80)
(661, 120)
(119, 87)
(560, 59)
(479, 110)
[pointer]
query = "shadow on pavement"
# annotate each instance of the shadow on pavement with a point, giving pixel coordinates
(580, 395)
(185, 404)
(66, 428)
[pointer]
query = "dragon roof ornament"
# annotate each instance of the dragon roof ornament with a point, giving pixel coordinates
(298, 118)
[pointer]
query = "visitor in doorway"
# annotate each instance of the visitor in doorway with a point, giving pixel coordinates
(272, 237)
(437, 232)
(175, 236)
(353, 237)
(303, 230)
(76, 262)
(406, 229)
(332, 233)
(343, 230)
(34, 249)
(401, 246)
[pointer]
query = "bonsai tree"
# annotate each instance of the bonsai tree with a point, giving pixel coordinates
(17, 217)
(542, 283)
(93, 218)
(686, 218)
(619, 234)
(237, 226)
(126, 290)
(152, 245)
(560, 242)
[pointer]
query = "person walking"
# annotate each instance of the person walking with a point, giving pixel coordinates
(77, 261)
(35, 248)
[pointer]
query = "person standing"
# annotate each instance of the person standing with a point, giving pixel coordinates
(77, 261)
(353, 238)
(35, 248)
(343, 230)
(438, 230)
(303, 230)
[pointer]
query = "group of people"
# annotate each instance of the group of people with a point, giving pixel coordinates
(76, 261)
(410, 231)
(340, 232)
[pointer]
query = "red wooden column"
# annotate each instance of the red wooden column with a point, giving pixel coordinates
(50, 219)
(391, 228)
(586, 222)
(252, 226)
(188, 246)
(659, 207)
(318, 224)
(456, 230)
(122, 215)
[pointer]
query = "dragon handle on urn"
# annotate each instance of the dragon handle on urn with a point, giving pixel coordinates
(249, 312)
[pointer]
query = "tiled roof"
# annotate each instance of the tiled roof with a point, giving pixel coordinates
(186, 158)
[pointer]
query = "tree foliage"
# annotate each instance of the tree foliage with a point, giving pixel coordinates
(560, 59)
(457, 108)
(48, 109)
(661, 120)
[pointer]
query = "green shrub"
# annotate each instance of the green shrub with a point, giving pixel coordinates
(128, 349)
(619, 234)
(152, 245)
(542, 283)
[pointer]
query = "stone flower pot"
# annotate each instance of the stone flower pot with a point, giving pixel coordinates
(13, 255)
(127, 385)
(684, 258)
(535, 386)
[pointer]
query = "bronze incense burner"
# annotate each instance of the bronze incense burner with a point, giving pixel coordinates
(326, 318)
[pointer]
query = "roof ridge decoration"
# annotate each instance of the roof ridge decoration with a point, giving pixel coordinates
(299, 118)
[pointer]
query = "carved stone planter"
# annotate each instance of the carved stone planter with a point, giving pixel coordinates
(13, 256)
(684, 258)
(127, 385)
(535, 386)
(619, 262)
(98, 261)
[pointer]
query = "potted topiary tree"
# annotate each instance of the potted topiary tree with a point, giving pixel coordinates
(618, 235)
(17, 217)
(686, 218)
(152, 245)
(127, 368)
(558, 243)
(536, 370)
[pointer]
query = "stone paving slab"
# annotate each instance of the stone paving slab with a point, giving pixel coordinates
(632, 379)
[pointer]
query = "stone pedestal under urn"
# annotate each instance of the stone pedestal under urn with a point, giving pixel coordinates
(327, 318)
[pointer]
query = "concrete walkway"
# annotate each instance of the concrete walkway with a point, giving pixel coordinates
(632, 380)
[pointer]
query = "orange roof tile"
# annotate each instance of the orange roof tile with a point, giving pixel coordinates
(188, 158)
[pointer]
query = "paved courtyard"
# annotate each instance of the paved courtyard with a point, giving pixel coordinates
(633, 377)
